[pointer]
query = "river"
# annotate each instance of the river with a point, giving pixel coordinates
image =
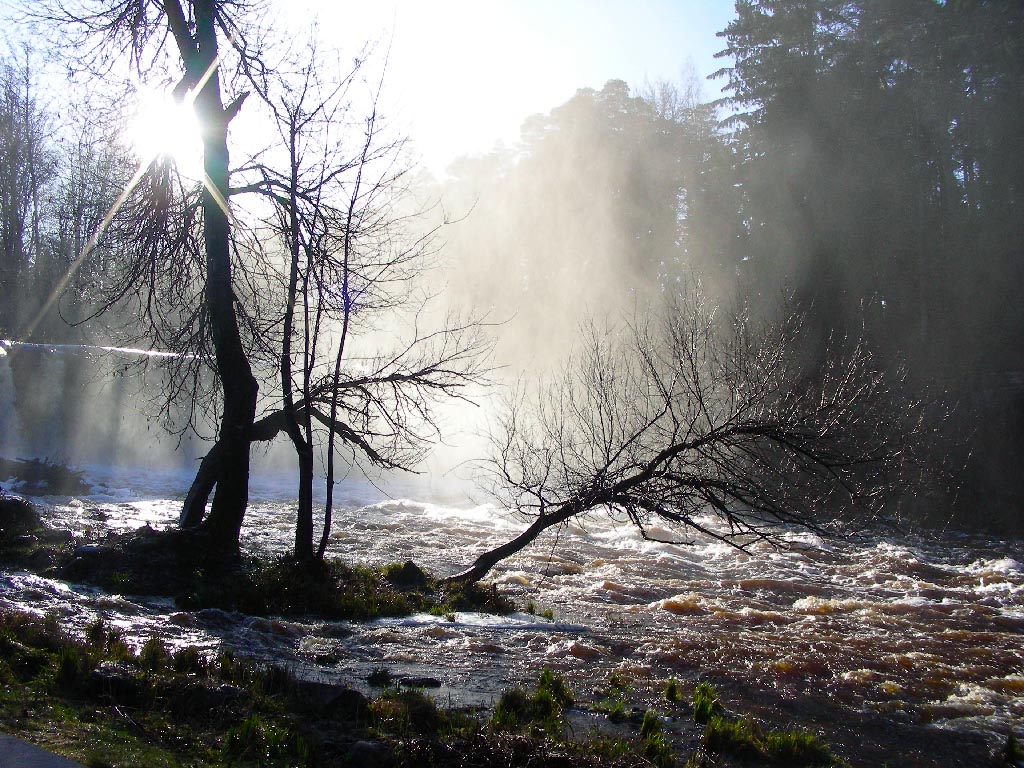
(894, 645)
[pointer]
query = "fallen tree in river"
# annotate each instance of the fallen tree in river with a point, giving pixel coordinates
(710, 428)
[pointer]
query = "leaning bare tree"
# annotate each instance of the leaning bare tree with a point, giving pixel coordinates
(702, 426)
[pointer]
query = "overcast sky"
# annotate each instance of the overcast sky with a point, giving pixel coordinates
(463, 74)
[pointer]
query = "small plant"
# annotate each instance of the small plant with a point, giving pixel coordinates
(705, 703)
(796, 748)
(656, 747)
(253, 740)
(607, 747)
(154, 656)
(672, 691)
(379, 678)
(531, 608)
(548, 614)
(188, 659)
(555, 685)
(734, 737)
(96, 634)
(615, 710)
(407, 711)
(1013, 753)
(70, 666)
(517, 709)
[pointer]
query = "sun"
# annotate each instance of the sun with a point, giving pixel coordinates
(165, 128)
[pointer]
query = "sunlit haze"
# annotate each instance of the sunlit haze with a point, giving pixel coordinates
(463, 74)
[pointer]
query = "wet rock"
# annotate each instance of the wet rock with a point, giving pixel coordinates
(118, 683)
(41, 560)
(409, 576)
(331, 701)
(370, 754)
(94, 550)
(17, 519)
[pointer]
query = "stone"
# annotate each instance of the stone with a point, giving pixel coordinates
(409, 575)
(17, 518)
(370, 754)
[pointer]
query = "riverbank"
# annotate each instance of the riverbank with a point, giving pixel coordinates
(98, 701)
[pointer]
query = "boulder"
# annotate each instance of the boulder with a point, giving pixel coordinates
(370, 754)
(17, 518)
(409, 576)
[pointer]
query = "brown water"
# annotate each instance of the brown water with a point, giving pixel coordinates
(892, 645)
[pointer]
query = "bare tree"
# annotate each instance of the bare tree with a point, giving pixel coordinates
(136, 33)
(342, 255)
(704, 426)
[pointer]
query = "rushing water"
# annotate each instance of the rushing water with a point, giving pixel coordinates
(880, 637)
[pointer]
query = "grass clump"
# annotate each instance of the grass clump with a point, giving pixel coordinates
(284, 587)
(672, 691)
(255, 741)
(614, 705)
(1013, 752)
(153, 656)
(732, 737)
(335, 590)
(406, 712)
(380, 678)
(705, 703)
(796, 748)
(542, 709)
(655, 747)
(744, 739)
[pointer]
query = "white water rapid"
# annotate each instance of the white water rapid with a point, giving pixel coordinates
(860, 638)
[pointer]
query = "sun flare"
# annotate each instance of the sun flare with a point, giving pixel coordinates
(165, 128)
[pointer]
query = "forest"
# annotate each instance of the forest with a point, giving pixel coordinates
(773, 302)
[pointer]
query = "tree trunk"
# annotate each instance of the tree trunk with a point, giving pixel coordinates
(483, 564)
(240, 388)
(194, 507)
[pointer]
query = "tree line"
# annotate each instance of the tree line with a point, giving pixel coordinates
(862, 166)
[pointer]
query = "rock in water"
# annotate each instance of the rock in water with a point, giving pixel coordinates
(17, 518)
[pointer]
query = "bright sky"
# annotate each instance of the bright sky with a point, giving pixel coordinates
(463, 74)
